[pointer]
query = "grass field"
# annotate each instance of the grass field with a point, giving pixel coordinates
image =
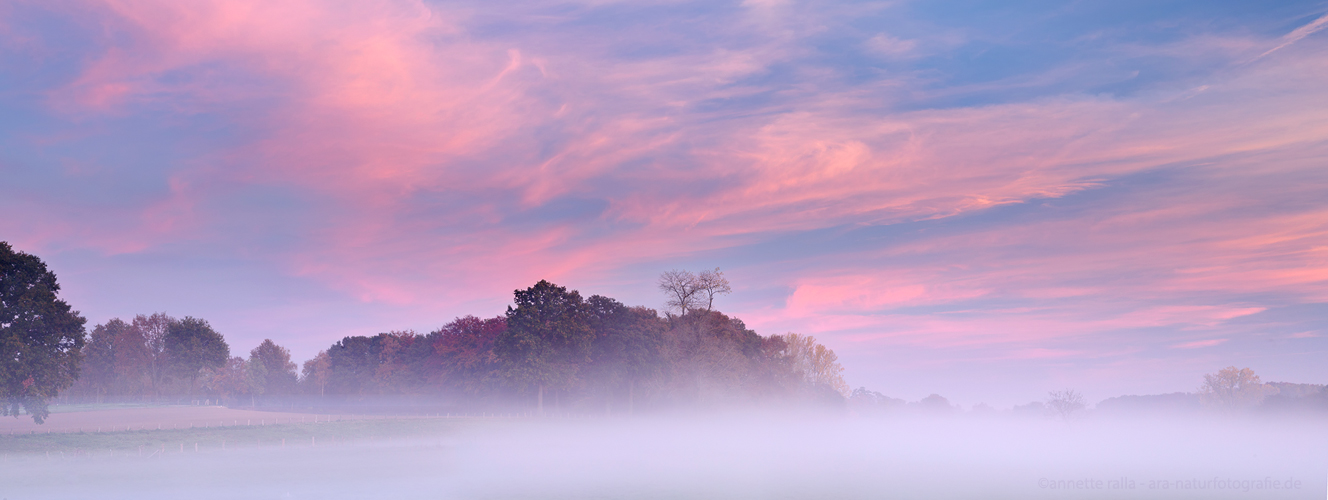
(146, 442)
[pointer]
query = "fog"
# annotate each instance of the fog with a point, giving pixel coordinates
(735, 455)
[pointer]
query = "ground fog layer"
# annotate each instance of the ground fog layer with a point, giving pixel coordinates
(749, 456)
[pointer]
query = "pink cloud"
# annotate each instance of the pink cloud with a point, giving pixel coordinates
(387, 110)
(1199, 343)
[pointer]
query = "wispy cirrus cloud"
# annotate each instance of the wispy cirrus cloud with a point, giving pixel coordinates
(880, 183)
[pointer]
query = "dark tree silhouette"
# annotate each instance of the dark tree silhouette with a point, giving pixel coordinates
(192, 345)
(547, 338)
(627, 346)
(40, 336)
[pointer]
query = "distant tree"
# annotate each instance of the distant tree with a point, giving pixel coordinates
(154, 329)
(317, 371)
(41, 337)
(680, 287)
(687, 291)
(627, 346)
(547, 338)
(400, 362)
(1066, 404)
(714, 359)
(463, 353)
(131, 360)
(709, 284)
(191, 345)
(278, 373)
(256, 377)
(1031, 409)
(98, 368)
(354, 361)
(817, 364)
(935, 403)
(1232, 389)
(869, 402)
(232, 380)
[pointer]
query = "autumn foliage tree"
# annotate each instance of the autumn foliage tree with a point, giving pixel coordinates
(278, 375)
(1232, 389)
(817, 364)
(464, 359)
(315, 373)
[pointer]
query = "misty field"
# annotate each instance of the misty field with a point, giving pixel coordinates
(728, 456)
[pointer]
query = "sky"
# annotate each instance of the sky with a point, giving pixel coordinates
(986, 200)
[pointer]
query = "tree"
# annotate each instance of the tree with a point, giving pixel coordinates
(317, 371)
(154, 329)
(463, 352)
(278, 371)
(680, 287)
(131, 360)
(687, 291)
(234, 379)
(869, 402)
(1065, 403)
(191, 345)
(626, 348)
(714, 359)
(115, 360)
(98, 367)
(41, 337)
(818, 364)
(400, 362)
(710, 284)
(1232, 389)
(353, 362)
(547, 338)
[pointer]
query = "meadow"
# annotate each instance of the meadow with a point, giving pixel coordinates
(732, 455)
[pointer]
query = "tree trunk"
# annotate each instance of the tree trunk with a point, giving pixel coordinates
(540, 401)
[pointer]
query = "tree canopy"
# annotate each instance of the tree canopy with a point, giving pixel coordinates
(41, 337)
(191, 345)
(278, 371)
(547, 339)
(550, 345)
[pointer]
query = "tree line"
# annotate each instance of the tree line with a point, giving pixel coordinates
(552, 346)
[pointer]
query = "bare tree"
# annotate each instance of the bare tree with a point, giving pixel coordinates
(680, 286)
(688, 291)
(711, 283)
(1066, 403)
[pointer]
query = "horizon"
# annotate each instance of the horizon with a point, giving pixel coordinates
(985, 202)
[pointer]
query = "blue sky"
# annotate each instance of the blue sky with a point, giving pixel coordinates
(986, 200)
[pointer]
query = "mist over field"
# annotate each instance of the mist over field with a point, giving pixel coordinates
(735, 455)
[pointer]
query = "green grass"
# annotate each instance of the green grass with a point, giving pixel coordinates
(214, 438)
